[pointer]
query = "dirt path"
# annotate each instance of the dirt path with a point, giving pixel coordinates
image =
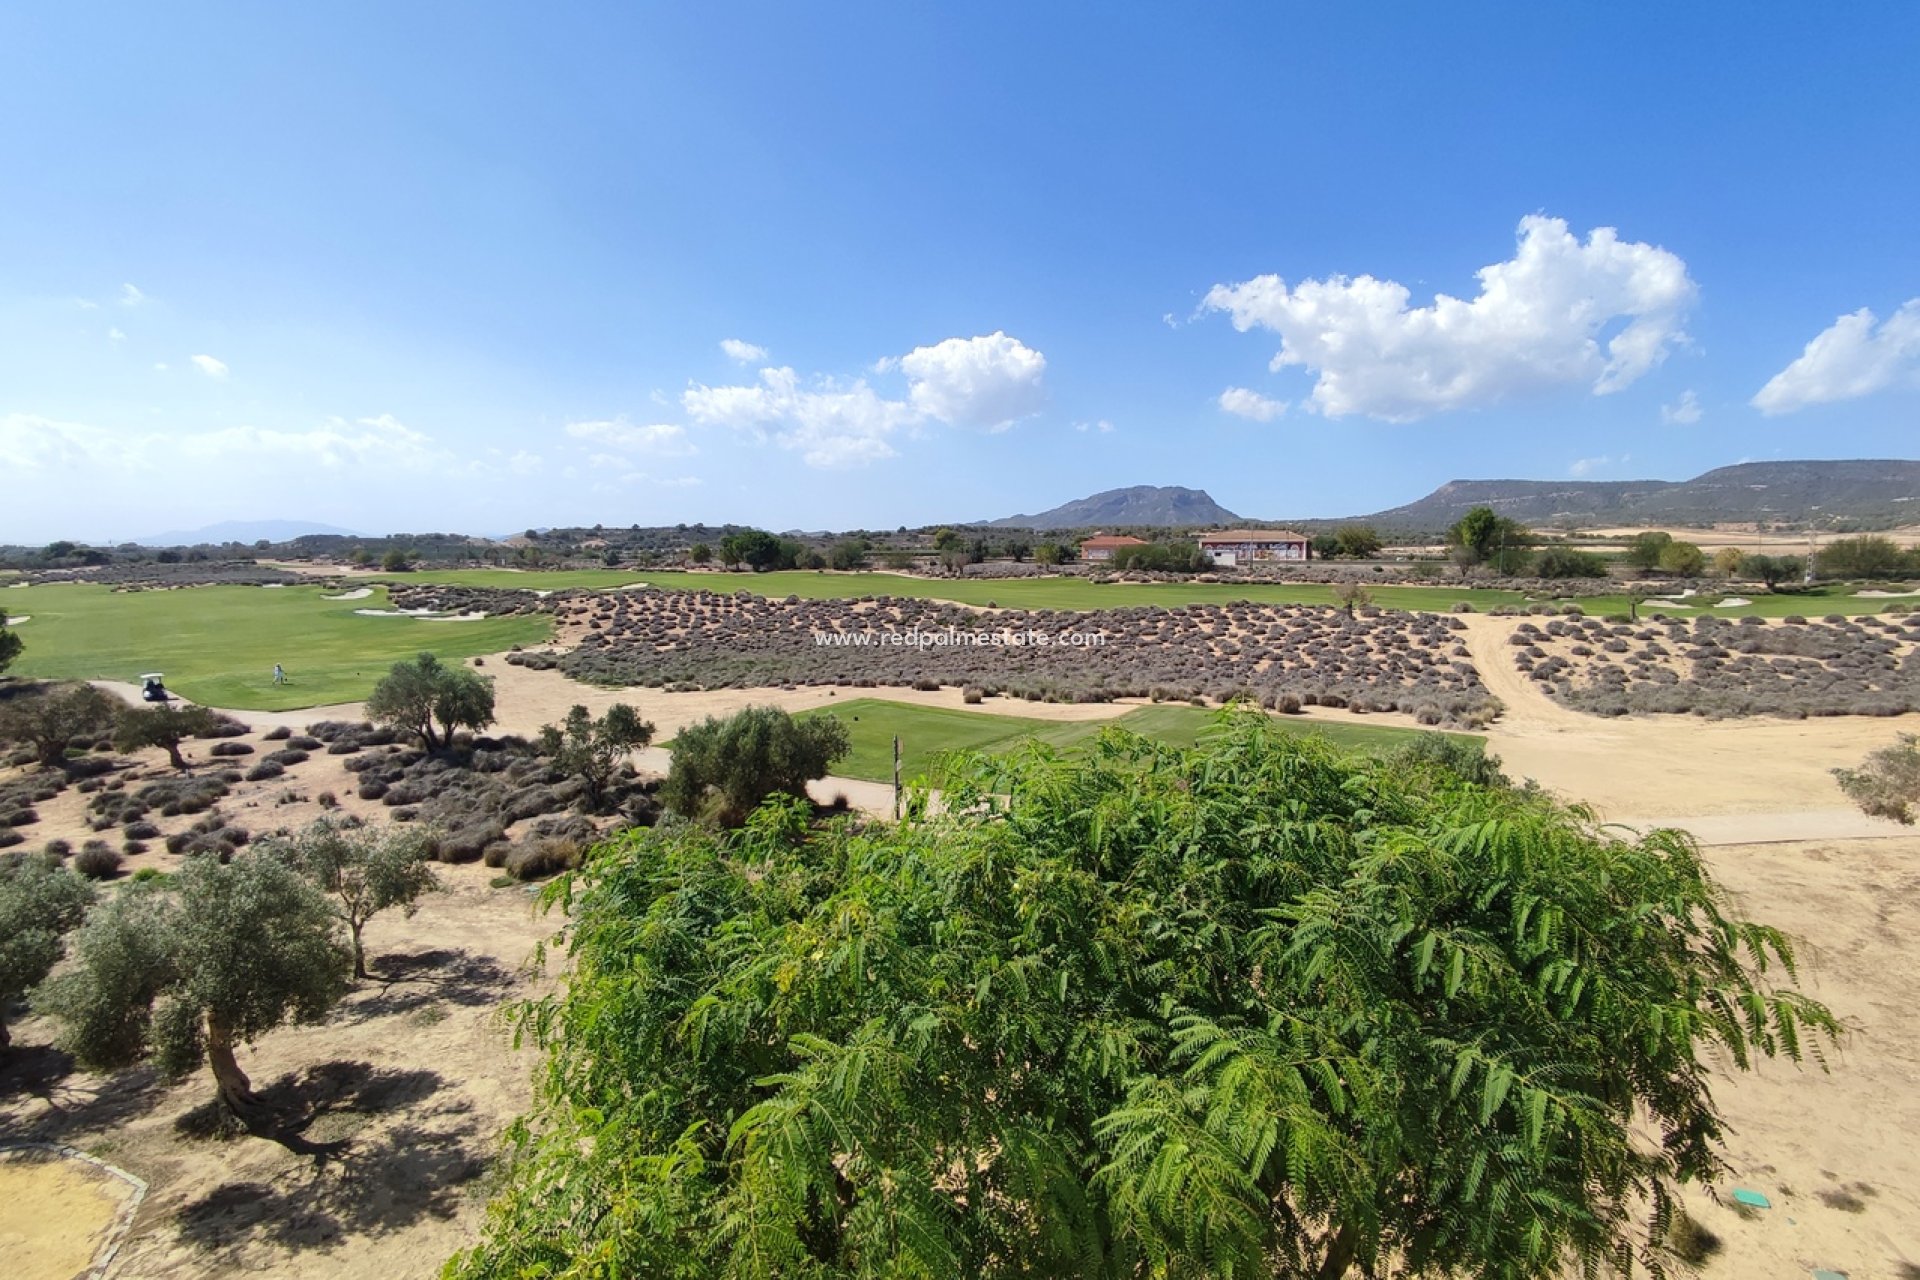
(1681, 766)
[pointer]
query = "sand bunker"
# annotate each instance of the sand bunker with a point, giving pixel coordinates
(419, 615)
(14, 621)
(61, 1216)
(1884, 595)
(358, 593)
(1734, 602)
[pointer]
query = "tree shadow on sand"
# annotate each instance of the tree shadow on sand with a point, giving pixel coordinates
(76, 1102)
(364, 1179)
(408, 981)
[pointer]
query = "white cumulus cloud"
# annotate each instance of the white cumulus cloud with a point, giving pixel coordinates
(1683, 412)
(1244, 403)
(829, 423)
(209, 366)
(662, 439)
(1541, 320)
(742, 352)
(1852, 357)
(991, 381)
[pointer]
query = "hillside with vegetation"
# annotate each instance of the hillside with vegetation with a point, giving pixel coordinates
(1858, 493)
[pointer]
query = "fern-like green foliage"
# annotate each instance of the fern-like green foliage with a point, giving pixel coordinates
(1250, 1009)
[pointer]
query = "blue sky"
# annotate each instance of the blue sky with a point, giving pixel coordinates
(408, 267)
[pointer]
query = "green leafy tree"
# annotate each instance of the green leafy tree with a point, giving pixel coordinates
(1728, 562)
(1771, 571)
(10, 642)
(1358, 541)
(363, 870)
(1569, 562)
(723, 769)
(1251, 1009)
(50, 718)
(1351, 595)
(1683, 558)
(1325, 546)
(1482, 536)
(396, 561)
(592, 750)
(850, 553)
(163, 727)
(1867, 556)
(1643, 552)
(186, 970)
(758, 550)
(1887, 783)
(416, 692)
(700, 553)
(360, 557)
(40, 903)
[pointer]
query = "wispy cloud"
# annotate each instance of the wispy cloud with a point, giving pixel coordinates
(131, 296)
(742, 352)
(211, 367)
(659, 439)
(1244, 403)
(1683, 412)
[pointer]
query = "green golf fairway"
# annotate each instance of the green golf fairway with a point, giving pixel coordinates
(1080, 594)
(1023, 593)
(928, 733)
(217, 645)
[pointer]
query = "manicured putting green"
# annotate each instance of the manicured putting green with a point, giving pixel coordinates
(217, 645)
(928, 733)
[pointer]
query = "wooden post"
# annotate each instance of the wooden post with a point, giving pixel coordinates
(896, 777)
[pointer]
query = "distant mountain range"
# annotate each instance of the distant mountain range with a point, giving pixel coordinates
(248, 531)
(1143, 504)
(1871, 491)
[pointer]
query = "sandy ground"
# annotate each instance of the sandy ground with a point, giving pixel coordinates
(1744, 537)
(415, 1075)
(56, 1214)
(1676, 766)
(1833, 1150)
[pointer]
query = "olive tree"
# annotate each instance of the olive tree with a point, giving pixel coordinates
(162, 727)
(1254, 1008)
(1357, 541)
(723, 769)
(1887, 783)
(1771, 571)
(363, 870)
(591, 749)
(40, 903)
(186, 970)
(10, 643)
(49, 718)
(418, 691)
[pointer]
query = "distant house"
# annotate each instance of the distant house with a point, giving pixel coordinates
(1101, 546)
(1248, 546)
